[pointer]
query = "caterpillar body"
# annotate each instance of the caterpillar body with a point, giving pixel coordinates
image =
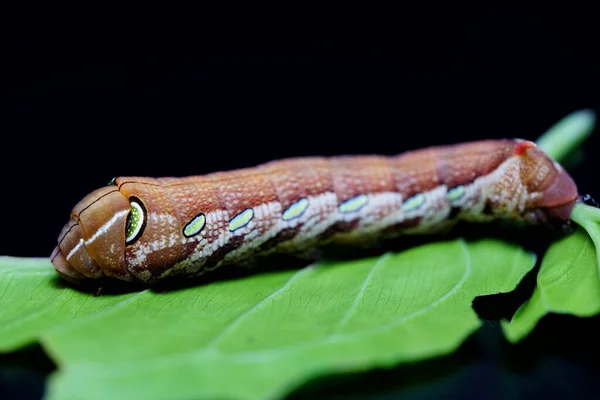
(145, 229)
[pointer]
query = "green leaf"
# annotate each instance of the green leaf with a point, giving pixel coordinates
(32, 301)
(565, 137)
(567, 283)
(260, 336)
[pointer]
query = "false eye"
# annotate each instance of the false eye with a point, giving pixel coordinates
(136, 221)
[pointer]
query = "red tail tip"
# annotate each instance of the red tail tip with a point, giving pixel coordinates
(522, 147)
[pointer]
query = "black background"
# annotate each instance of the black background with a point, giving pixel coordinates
(88, 94)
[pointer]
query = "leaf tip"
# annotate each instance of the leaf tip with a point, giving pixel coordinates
(510, 333)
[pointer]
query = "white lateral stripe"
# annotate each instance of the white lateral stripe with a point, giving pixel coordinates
(105, 227)
(74, 249)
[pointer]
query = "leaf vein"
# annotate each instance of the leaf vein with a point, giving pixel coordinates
(254, 355)
(352, 309)
(212, 345)
(80, 320)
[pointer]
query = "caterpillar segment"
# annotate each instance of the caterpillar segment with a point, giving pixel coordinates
(145, 229)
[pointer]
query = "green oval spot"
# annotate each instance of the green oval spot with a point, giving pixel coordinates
(413, 203)
(136, 221)
(354, 204)
(296, 209)
(456, 193)
(241, 220)
(195, 225)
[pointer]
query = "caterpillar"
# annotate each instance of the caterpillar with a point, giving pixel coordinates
(146, 229)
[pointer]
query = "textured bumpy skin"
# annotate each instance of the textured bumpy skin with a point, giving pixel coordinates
(145, 229)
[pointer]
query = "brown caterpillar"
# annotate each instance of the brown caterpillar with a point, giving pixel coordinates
(146, 229)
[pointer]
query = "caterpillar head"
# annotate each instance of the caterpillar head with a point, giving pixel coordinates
(92, 243)
(127, 231)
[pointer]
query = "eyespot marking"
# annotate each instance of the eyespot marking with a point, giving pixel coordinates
(136, 221)
(354, 204)
(195, 225)
(296, 209)
(413, 203)
(456, 193)
(241, 220)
